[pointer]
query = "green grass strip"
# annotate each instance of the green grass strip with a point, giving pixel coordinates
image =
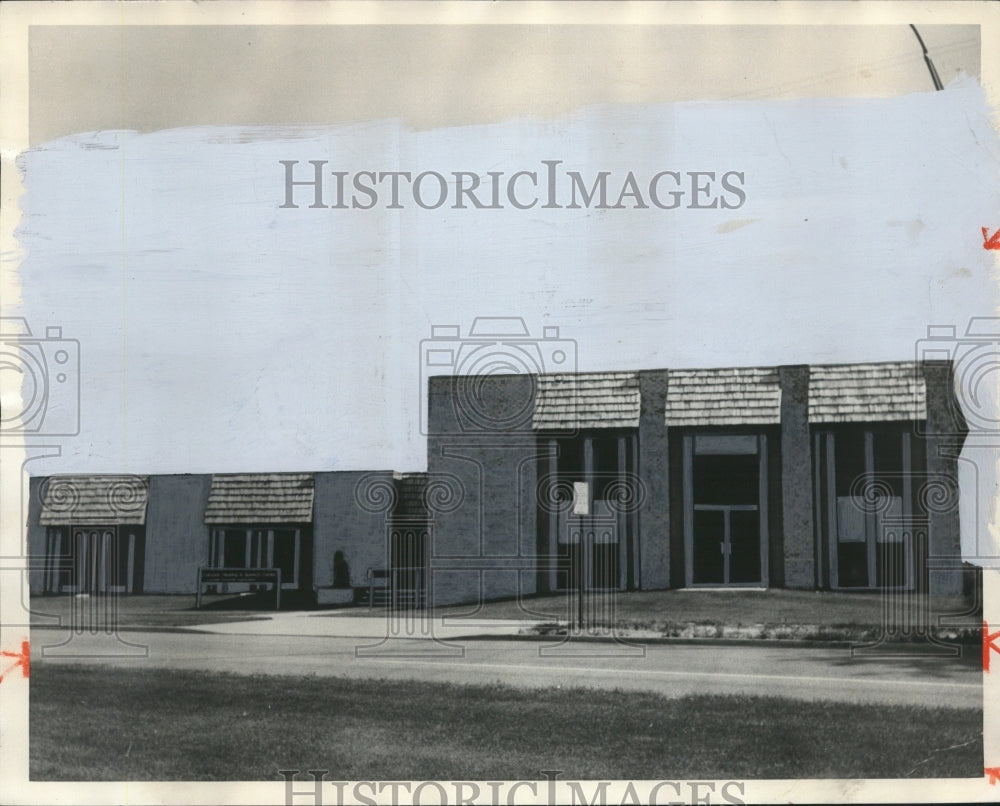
(111, 724)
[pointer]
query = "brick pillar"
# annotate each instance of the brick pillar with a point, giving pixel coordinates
(480, 436)
(654, 515)
(944, 435)
(796, 479)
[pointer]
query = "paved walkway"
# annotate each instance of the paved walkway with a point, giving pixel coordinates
(403, 624)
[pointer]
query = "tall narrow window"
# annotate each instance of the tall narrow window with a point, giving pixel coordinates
(865, 501)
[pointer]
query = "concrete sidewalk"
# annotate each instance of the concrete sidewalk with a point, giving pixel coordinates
(399, 624)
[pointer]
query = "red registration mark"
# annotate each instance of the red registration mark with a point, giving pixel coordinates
(991, 241)
(989, 642)
(23, 659)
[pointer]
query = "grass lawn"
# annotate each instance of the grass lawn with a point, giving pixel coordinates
(109, 724)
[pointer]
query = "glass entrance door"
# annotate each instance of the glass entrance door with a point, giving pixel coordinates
(725, 508)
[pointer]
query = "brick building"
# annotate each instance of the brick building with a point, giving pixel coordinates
(829, 477)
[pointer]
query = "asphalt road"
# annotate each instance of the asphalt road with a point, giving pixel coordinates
(671, 669)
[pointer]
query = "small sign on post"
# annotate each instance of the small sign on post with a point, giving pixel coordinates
(581, 498)
(210, 576)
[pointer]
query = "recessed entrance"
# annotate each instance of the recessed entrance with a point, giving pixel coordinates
(725, 509)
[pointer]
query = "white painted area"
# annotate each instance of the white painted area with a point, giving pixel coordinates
(219, 332)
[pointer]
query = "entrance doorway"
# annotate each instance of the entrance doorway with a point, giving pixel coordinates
(725, 509)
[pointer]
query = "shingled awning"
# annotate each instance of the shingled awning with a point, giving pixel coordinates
(855, 393)
(587, 400)
(260, 498)
(739, 396)
(94, 500)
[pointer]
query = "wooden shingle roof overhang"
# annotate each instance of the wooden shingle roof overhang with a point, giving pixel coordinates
(732, 396)
(855, 393)
(94, 500)
(572, 401)
(263, 498)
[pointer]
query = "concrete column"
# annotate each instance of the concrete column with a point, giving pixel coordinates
(653, 522)
(796, 479)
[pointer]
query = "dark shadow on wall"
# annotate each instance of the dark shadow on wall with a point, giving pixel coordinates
(341, 571)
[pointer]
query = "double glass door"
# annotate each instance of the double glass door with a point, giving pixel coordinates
(725, 509)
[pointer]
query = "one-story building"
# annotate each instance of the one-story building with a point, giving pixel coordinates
(828, 477)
